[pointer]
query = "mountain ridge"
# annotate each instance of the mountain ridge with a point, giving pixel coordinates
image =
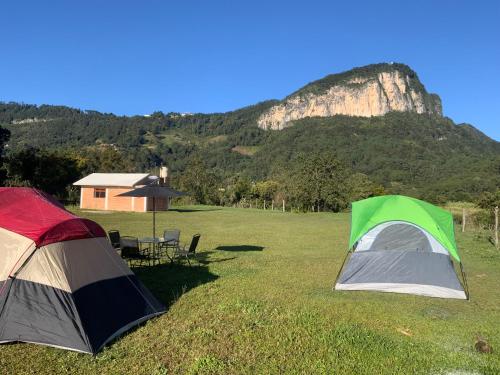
(371, 90)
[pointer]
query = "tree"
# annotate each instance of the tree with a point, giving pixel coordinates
(200, 182)
(50, 171)
(4, 138)
(318, 180)
(103, 159)
(239, 188)
(489, 200)
(361, 187)
(265, 190)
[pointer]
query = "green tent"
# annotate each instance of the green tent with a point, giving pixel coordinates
(402, 244)
(371, 212)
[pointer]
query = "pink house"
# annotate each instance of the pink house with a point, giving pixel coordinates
(99, 192)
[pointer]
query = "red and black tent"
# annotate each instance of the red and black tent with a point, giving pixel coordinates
(61, 282)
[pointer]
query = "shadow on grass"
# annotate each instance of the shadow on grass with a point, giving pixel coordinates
(194, 209)
(205, 258)
(491, 240)
(169, 281)
(240, 248)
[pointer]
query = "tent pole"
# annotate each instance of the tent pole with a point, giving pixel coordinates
(341, 268)
(464, 278)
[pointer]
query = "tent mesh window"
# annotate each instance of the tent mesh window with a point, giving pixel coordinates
(397, 237)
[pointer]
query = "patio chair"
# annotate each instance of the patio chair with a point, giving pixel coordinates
(190, 252)
(114, 238)
(129, 248)
(131, 251)
(171, 240)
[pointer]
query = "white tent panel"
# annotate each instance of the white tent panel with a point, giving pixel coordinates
(418, 289)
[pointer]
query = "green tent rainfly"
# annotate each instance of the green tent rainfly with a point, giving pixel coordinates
(403, 245)
(371, 212)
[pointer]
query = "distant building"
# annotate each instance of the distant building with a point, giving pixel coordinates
(99, 192)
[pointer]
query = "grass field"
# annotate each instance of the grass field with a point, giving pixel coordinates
(261, 302)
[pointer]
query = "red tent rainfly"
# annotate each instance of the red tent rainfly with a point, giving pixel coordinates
(38, 216)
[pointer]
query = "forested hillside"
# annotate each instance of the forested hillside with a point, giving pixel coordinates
(421, 155)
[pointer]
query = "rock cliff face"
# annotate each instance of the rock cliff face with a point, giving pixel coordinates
(369, 91)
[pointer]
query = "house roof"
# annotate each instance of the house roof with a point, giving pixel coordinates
(113, 179)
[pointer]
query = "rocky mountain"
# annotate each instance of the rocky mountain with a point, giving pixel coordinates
(373, 90)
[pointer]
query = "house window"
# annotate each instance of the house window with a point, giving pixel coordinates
(99, 193)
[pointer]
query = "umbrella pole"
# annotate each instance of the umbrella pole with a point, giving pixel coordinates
(155, 245)
(154, 218)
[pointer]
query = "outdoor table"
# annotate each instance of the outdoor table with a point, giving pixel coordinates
(155, 243)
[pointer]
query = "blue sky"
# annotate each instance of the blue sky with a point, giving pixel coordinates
(135, 57)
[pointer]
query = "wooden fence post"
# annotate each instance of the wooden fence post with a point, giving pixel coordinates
(283, 205)
(264, 204)
(496, 227)
(463, 219)
(272, 205)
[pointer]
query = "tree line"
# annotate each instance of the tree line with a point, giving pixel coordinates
(312, 182)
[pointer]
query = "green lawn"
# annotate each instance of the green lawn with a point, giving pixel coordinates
(261, 302)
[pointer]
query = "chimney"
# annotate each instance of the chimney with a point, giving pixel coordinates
(164, 177)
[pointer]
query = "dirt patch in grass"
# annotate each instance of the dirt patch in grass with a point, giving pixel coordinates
(246, 150)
